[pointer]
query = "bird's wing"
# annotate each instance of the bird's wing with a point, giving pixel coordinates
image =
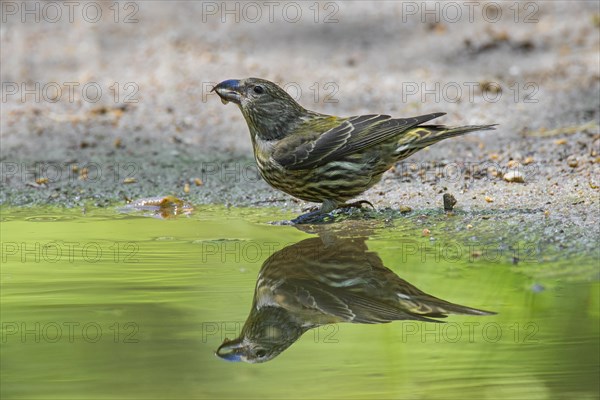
(318, 143)
(344, 304)
(368, 310)
(324, 302)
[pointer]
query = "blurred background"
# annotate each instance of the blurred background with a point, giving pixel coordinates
(524, 65)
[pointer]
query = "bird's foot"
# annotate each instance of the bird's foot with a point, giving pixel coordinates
(318, 216)
(311, 209)
(356, 204)
(313, 217)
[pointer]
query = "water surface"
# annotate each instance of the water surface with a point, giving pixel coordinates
(102, 304)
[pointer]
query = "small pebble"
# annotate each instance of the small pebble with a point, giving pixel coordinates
(489, 199)
(512, 164)
(476, 253)
(83, 174)
(405, 209)
(514, 176)
(449, 202)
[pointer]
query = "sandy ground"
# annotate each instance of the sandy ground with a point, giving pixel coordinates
(114, 104)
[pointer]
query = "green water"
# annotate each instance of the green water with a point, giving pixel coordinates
(101, 304)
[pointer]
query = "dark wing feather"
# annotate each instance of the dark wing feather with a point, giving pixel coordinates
(315, 297)
(313, 148)
(348, 305)
(296, 151)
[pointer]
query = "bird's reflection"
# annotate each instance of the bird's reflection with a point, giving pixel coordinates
(326, 280)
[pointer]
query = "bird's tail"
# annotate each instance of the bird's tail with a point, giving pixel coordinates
(422, 136)
(425, 306)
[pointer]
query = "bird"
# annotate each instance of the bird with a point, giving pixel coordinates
(324, 158)
(320, 281)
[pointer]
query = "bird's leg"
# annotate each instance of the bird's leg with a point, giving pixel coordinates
(323, 213)
(328, 206)
(319, 215)
(312, 217)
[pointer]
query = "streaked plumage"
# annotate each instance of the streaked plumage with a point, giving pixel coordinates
(316, 282)
(323, 158)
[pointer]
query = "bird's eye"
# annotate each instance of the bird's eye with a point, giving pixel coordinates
(259, 89)
(261, 353)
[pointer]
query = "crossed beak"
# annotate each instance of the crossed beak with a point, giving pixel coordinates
(229, 90)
